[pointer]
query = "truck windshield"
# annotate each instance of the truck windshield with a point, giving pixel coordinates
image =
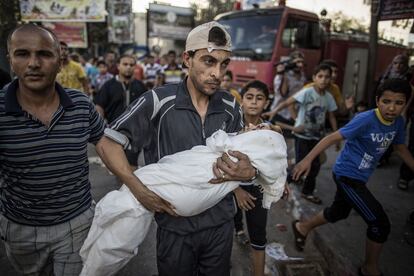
(252, 36)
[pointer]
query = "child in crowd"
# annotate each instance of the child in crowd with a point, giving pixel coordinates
(227, 84)
(255, 98)
(367, 135)
(314, 103)
(103, 76)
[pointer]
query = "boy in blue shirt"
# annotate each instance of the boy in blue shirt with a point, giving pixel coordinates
(367, 135)
(314, 103)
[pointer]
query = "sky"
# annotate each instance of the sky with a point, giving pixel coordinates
(348, 7)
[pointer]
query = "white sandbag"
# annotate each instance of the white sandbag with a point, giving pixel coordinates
(121, 222)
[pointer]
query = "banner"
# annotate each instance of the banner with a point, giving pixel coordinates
(396, 9)
(169, 22)
(73, 33)
(120, 22)
(63, 10)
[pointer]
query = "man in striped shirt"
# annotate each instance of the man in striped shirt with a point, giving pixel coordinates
(45, 201)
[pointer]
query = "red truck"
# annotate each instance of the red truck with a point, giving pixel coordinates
(262, 38)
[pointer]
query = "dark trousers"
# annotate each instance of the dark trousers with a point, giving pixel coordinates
(256, 219)
(302, 148)
(201, 253)
(354, 194)
(405, 171)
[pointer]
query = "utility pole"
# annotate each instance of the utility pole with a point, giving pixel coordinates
(372, 53)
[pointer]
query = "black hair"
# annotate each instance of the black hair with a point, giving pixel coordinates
(330, 62)
(217, 36)
(259, 85)
(322, 67)
(63, 43)
(101, 62)
(229, 74)
(31, 25)
(126, 56)
(396, 86)
(172, 52)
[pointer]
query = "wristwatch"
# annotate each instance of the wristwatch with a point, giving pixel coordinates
(254, 176)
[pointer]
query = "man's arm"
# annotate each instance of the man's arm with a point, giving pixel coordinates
(85, 85)
(405, 155)
(100, 110)
(303, 166)
(113, 155)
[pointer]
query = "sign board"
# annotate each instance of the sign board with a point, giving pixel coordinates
(120, 22)
(73, 33)
(63, 10)
(396, 9)
(169, 22)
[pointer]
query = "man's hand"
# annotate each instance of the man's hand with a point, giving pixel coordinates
(349, 102)
(226, 169)
(153, 202)
(302, 168)
(244, 199)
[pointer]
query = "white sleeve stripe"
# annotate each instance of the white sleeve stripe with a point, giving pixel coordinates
(232, 117)
(159, 127)
(159, 104)
(129, 114)
(232, 104)
(117, 137)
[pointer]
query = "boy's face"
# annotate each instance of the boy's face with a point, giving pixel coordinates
(322, 79)
(102, 69)
(391, 104)
(226, 82)
(254, 102)
(334, 75)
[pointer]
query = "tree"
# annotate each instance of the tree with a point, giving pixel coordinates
(342, 23)
(214, 8)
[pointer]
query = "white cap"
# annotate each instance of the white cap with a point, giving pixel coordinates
(198, 38)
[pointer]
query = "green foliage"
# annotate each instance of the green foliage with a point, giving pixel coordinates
(214, 7)
(342, 23)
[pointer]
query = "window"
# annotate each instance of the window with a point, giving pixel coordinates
(253, 36)
(300, 33)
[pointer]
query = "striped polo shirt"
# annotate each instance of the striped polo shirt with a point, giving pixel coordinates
(44, 171)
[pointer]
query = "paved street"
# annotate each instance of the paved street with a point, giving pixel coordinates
(341, 244)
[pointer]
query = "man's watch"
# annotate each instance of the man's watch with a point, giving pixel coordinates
(254, 176)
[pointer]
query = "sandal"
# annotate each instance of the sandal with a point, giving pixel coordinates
(402, 184)
(312, 198)
(242, 238)
(360, 273)
(299, 238)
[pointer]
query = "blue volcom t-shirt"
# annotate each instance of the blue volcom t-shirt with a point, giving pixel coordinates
(367, 139)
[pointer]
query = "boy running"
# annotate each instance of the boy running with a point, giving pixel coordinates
(314, 103)
(368, 136)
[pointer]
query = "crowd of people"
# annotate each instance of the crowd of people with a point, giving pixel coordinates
(59, 102)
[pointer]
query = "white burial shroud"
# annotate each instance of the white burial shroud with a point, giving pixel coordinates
(121, 223)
